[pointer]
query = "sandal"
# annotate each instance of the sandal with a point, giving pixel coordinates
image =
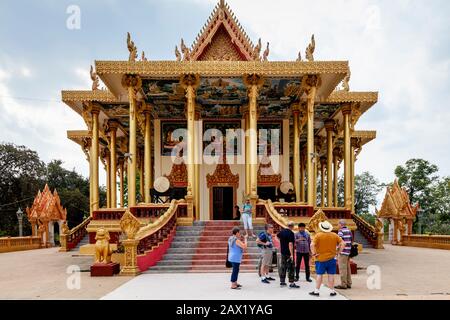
(236, 288)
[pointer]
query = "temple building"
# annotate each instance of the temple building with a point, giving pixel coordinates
(47, 216)
(219, 123)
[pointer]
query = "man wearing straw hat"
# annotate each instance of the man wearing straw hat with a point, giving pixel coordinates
(323, 248)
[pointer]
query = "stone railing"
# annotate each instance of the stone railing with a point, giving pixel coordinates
(141, 241)
(373, 236)
(71, 239)
(9, 244)
(266, 209)
(337, 213)
(427, 241)
(294, 209)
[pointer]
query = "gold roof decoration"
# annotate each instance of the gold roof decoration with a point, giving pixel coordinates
(396, 204)
(131, 48)
(94, 78)
(223, 19)
(309, 53)
(46, 207)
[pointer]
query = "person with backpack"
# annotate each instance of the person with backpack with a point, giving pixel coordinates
(236, 249)
(344, 256)
(265, 244)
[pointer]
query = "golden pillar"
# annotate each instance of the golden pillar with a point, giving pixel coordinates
(296, 159)
(302, 177)
(336, 157)
(355, 145)
(316, 164)
(346, 111)
(147, 156)
(197, 157)
(113, 125)
(323, 163)
(253, 82)
(95, 110)
(141, 175)
(121, 180)
(329, 125)
(133, 84)
(309, 83)
(107, 158)
(247, 153)
(190, 83)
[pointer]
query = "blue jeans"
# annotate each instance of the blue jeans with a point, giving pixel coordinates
(235, 272)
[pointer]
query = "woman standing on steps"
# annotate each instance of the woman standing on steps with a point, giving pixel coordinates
(247, 217)
(236, 249)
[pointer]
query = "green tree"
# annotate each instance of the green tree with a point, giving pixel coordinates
(22, 173)
(418, 177)
(438, 219)
(367, 188)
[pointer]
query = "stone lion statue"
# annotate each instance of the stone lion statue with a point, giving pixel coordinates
(102, 249)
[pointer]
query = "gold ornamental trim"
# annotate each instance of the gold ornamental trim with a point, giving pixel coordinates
(173, 69)
(87, 95)
(345, 96)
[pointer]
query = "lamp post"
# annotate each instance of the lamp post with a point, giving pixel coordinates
(19, 214)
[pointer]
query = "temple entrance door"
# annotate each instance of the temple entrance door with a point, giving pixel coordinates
(222, 203)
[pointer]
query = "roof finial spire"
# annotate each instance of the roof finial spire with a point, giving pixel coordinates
(222, 3)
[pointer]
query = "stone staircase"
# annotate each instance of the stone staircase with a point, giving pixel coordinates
(203, 248)
(82, 242)
(359, 238)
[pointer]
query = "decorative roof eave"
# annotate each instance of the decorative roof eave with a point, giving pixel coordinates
(365, 136)
(77, 135)
(347, 97)
(173, 69)
(231, 24)
(87, 95)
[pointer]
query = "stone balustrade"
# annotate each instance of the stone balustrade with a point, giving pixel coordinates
(427, 241)
(9, 244)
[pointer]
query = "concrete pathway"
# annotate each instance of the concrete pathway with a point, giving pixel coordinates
(405, 273)
(43, 274)
(211, 286)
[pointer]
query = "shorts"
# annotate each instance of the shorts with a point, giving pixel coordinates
(328, 267)
(247, 220)
(266, 256)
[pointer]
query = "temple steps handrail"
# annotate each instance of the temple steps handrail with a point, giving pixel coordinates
(156, 225)
(273, 213)
(363, 222)
(83, 224)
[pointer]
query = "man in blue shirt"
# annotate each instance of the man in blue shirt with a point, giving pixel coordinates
(265, 243)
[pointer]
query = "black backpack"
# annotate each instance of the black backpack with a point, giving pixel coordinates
(353, 250)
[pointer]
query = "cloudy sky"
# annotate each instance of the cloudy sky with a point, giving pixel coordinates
(400, 48)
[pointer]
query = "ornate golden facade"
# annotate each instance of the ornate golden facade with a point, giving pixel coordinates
(226, 79)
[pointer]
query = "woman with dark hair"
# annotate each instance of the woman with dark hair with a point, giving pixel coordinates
(236, 249)
(238, 213)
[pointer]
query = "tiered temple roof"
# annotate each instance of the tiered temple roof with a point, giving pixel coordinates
(46, 207)
(396, 204)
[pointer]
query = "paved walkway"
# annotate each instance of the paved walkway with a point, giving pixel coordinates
(42, 274)
(211, 286)
(406, 273)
